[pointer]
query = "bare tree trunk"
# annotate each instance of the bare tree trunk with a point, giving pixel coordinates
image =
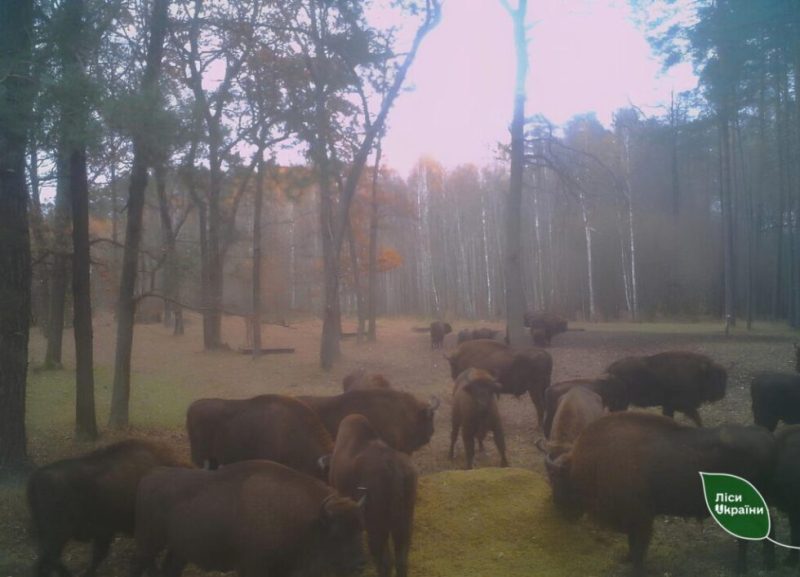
(257, 209)
(515, 297)
(373, 250)
(142, 158)
(587, 230)
(61, 260)
(488, 275)
(16, 33)
(726, 194)
(40, 287)
(360, 304)
(85, 421)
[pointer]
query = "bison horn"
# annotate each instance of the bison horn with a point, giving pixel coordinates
(540, 444)
(324, 462)
(434, 404)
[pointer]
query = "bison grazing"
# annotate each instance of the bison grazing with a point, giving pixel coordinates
(676, 380)
(577, 409)
(400, 419)
(627, 468)
(517, 370)
(544, 326)
(274, 427)
(254, 517)
(361, 461)
(360, 379)
(475, 413)
(438, 331)
(775, 397)
(784, 492)
(89, 498)
(610, 389)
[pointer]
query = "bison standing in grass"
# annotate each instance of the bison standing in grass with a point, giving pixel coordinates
(627, 468)
(404, 422)
(254, 517)
(361, 461)
(475, 413)
(273, 427)
(675, 380)
(89, 498)
(517, 370)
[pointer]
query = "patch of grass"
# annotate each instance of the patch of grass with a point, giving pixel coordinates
(705, 327)
(502, 522)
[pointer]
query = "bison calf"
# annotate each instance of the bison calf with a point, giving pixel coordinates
(89, 498)
(361, 461)
(627, 468)
(517, 371)
(438, 331)
(475, 413)
(253, 517)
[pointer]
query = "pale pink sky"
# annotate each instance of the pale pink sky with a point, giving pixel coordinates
(585, 55)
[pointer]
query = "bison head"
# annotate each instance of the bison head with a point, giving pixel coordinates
(482, 386)
(342, 542)
(558, 473)
(423, 430)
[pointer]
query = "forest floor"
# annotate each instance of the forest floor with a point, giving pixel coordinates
(170, 372)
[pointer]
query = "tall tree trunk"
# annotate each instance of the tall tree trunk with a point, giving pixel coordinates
(587, 230)
(257, 209)
(61, 260)
(726, 194)
(360, 305)
(75, 115)
(515, 297)
(40, 286)
(172, 313)
(16, 33)
(373, 250)
(142, 158)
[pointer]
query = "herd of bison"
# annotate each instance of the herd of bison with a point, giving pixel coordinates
(289, 486)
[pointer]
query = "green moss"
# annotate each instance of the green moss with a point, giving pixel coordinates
(502, 522)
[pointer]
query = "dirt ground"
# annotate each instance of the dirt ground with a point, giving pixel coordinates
(169, 372)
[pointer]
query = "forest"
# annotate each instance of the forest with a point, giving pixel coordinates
(214, 170)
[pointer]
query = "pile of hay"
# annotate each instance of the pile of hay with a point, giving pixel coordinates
(502, 522)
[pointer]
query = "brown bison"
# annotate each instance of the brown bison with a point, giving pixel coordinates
(475, 413)
(277, 428)
(438, 330)
(360, 379)
(544, 326)
(784, 492)
(361, 461)
(400, 419)
(253, 517)
(627, 468)
(273, 427)
(577, 409)
(517, 370)
(89, 498)
(775, 397)
(473, 334)
(676, 380)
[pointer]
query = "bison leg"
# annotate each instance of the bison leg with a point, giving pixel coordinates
(468, 437)
(500, 443)
(100, 548)
(694, 416)
(638, 542)
(453, 435)
(379, 549)
(402, 545)
(538, 404)
(50, 559)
